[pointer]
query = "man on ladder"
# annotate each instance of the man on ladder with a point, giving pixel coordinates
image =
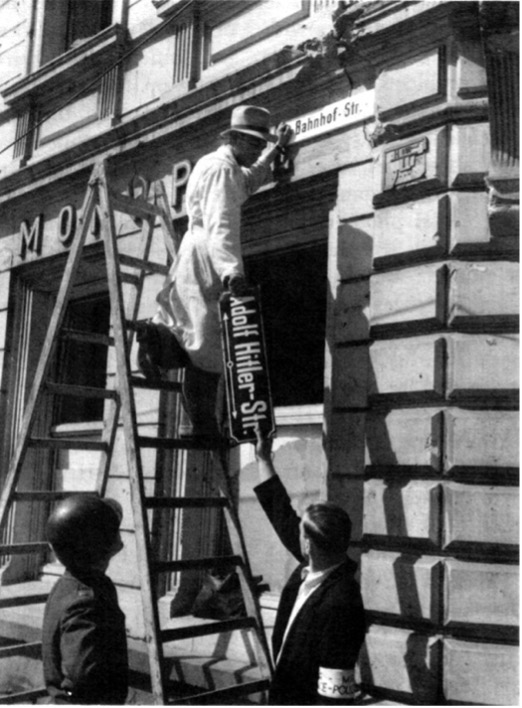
(208, 262)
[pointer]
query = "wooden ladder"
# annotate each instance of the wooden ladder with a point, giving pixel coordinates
(120, 409)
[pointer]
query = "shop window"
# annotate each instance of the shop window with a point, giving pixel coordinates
(293, 295)
(83, 363)
(67, 23)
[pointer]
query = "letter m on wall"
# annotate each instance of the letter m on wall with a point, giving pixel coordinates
(31, 238)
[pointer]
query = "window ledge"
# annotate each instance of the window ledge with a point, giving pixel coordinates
(311, 414)
(65, 69)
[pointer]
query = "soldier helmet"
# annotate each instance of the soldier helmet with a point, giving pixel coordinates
(83, 528)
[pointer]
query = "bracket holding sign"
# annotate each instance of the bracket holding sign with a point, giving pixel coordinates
(247, 382)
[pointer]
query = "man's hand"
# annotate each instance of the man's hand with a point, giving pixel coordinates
(238, 286)
(263, 446)
(284, 135)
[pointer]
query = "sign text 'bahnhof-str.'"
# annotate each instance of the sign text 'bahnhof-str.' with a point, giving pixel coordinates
(331, 117)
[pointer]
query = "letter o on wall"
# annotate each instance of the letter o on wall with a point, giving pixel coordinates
(67, 225)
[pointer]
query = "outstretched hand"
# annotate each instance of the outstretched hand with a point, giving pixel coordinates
(263, 445)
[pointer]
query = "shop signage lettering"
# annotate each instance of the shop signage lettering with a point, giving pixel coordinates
(32, 232)
(334, 116)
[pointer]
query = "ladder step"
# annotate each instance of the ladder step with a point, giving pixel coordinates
(48, 495)
(177, 443)
(14, 549)
(140, 264)
(80, 391)
(141, 382)
(186, 502)
(216, 697)
(25, 649)
(23, 697)
(204, 630)
(89, 337)
(134, 207)
(68, 444)
(23, 600)
(130, 279)
(195, 564)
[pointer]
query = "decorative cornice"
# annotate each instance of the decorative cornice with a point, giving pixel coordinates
(82, 61)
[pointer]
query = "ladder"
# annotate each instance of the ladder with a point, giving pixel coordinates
(120, 410)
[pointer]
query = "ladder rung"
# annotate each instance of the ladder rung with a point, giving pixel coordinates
(142, 264)
(90, 337)
(134, 207)
(185, 502)
(203, 630)
(23, 696)
(130, 279)
(176, 443)
(216, 697)
(69, 444)
(48, 495)
(195, 564)
(80, 391)
(23, 600)
(21, 649)
(13, 549)
(141, 382)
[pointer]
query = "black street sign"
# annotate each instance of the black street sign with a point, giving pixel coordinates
(245, 363)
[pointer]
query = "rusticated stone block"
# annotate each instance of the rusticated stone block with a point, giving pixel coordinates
(402, 661)
(488, 291)
(483, 367)
(408, 297)
(411, 368)
(480, 514)
(481, 674)
(404, 438)
(480, 593)
(351, 311)
(350, 373)
(411, 511)
(402, 585)
(355, 249)
(469, 154)
(479, 439)
(345, 441)
(355, 191)
(412, 230)
(415, 80)
(469, 225)
(348, 492)
(471, 72)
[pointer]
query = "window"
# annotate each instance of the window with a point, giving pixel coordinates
(83, 363)
(67, 23)
(293, 298)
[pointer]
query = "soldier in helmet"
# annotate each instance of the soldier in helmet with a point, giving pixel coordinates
(84, 644)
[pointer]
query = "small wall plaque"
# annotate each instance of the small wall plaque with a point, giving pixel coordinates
(405, 164)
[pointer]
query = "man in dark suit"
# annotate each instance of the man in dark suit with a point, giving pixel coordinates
(320, 624)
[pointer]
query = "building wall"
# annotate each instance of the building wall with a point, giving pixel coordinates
(417, 433)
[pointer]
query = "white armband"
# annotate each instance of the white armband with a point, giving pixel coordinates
(336, 683)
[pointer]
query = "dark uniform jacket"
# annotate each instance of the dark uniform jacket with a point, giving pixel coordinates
(84, 643)
(329, 629)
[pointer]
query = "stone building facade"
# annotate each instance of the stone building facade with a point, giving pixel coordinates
(386, 247)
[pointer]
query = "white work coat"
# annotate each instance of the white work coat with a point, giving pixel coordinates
(210, 251)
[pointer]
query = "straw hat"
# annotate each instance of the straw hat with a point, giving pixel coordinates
(252, 121)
